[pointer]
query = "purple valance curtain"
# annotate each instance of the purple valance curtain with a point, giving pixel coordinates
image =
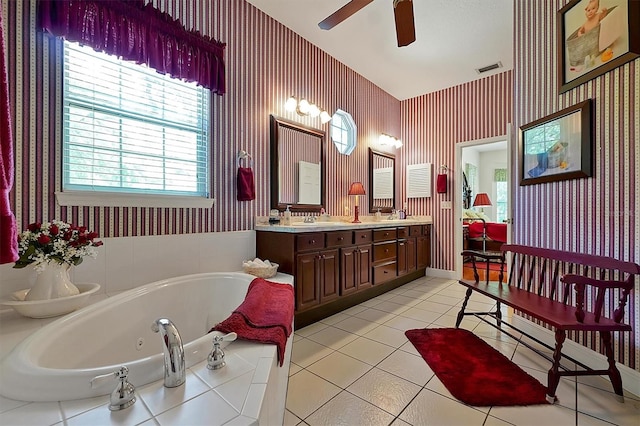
(138, 32)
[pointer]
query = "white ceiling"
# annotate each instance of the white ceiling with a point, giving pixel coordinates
(453, 39)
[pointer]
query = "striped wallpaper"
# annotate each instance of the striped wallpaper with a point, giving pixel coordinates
(265, 66)
(598, 215)
(431, 126)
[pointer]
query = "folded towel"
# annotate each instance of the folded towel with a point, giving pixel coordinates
(266, 315)
(441, 184)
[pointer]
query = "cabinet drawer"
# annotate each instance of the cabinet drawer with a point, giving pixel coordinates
(384, 251)
(384, 273)
(339, 238)
(311, 241)
(403, 232)
(385, 234)
(415, 230)
(362, 237)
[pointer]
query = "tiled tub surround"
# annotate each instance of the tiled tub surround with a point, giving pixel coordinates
(250, 389)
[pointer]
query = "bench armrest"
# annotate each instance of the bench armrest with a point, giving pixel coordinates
(580, 282)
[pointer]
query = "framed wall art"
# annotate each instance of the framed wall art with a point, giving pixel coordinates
(595, 37)
(557, 147)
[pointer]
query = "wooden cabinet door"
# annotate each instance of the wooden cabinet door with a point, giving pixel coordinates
(307, 279)
(412, 255)
(424, 251)
(349, 268)
(329, 275)
(363, 276)
(402, 257)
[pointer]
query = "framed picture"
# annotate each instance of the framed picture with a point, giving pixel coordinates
(594, 37)
(557, 147)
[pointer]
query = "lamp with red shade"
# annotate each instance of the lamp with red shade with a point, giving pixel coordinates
(482, 200)
(356, 189)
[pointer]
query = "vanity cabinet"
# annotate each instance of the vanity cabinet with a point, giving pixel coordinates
(336, 269)
(423, 247)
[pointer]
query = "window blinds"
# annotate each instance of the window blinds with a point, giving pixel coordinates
(128, 128)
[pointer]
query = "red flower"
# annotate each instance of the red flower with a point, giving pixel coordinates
(92, 235)
(53, 230)
(33, 227)
(67, 235)
(44, 239)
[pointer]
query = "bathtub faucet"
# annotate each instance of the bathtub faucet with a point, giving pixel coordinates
(174, 366)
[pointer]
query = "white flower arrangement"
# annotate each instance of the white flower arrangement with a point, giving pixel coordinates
(55, 241)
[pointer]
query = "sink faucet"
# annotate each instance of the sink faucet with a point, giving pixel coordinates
(174, 366)
(309, 219)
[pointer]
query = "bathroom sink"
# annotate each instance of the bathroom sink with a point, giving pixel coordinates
(313, 224)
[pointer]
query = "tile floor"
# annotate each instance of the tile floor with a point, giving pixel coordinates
(358, 368)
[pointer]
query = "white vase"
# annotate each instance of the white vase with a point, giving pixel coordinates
(52, 282)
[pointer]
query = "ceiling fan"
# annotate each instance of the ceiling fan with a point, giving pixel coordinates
(402, 10)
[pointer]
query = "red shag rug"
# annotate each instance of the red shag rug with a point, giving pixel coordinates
(474, 372)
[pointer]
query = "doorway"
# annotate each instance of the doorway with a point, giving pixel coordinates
(485, 166)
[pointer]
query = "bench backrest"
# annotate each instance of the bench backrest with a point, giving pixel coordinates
(596, 284)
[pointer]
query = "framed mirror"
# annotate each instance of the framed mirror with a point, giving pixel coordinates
(382, 181)
(297, 166)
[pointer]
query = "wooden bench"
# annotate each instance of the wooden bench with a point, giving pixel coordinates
(570, 292)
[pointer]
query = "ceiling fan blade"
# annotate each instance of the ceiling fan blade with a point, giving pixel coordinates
(405, 27)
(343, 13)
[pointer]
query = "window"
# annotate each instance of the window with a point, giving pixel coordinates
(343, 132)
(129, 129)
(543, 137)
(500, 178)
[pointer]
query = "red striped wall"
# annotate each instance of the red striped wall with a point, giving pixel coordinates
(598, 215)
(265, 65)
(432, 124)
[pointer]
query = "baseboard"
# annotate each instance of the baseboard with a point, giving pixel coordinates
(630, 377)
(442, 273)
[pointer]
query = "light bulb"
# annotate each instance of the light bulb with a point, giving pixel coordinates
(290, 104)
(325, 117)
(314, 111)
(303, 107)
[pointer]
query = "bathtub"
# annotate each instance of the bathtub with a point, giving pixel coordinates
(57, 362)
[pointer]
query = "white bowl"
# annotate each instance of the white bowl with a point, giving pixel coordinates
(50, 307)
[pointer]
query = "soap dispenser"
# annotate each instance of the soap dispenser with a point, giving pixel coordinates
(287, 216)
(378, 216)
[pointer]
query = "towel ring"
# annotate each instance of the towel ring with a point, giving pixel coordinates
(244, 155)
(445, 168)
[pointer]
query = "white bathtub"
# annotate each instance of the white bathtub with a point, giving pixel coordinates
(57, 362)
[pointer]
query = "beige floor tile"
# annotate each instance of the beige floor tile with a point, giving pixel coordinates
(333, 337)
(421, 315)
(428, 305)
(334, 318)
(535, 415)
(349, 410)
(391, 307)
(339, 369)
(384, 390)
(290, 419)
(311, 329)
(430, 408)
(308, 392)
(445, 300)
(405, 300)
(367, 350)
(408, 366)
(356, 325)
(387, 335)
(375, 315)
(305, 352)
(403, 323)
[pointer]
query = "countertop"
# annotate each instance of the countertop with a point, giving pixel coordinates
(298, 226)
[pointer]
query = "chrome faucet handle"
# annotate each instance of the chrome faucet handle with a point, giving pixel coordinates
(124, 394)
(309, 219)
(215, 360)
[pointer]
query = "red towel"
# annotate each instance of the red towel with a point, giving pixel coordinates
(265, 315)
(246, 186)
(441, 183)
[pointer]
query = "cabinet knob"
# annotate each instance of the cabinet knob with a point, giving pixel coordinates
(386, 250)
(363, 236)
(340, 238)
(312, 242)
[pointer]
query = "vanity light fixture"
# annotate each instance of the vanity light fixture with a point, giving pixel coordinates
(386, 140)
(304, 108)
(356, 189)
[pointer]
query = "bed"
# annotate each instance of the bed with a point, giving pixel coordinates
(482, 235)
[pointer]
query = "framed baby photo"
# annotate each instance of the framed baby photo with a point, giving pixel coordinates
(595, 37)
(557, 147)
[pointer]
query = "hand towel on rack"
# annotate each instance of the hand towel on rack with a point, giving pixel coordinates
(441, 183)
(266, 315)
(246, 185)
